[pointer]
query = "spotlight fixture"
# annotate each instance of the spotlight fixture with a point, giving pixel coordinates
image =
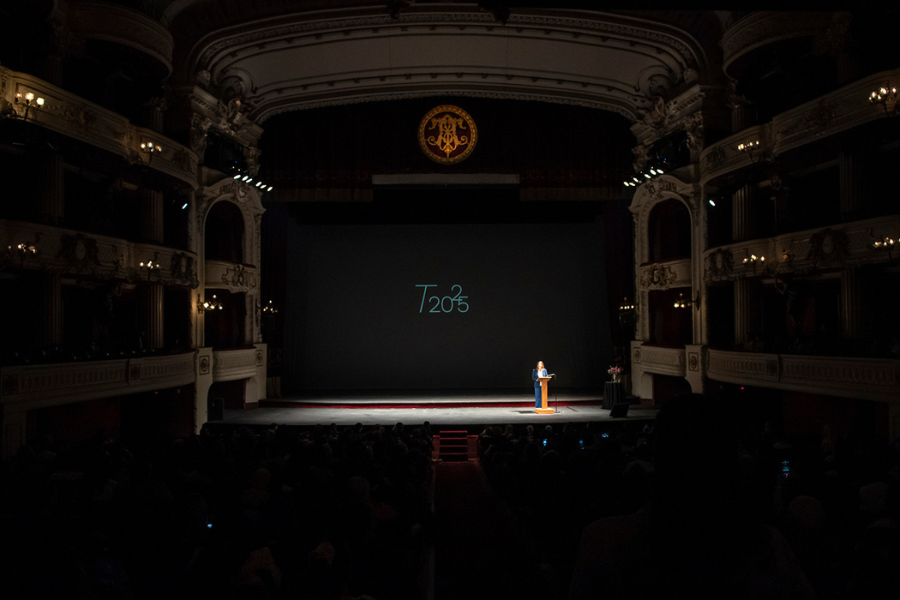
(271, 187)
(270, 308)
(887, 97)
(184, 206)
(712, 202)
(238, 176)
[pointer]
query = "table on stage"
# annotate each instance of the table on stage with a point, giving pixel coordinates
(613, 393)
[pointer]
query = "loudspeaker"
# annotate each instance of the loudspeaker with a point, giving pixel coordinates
(619, 410)
(215, 409)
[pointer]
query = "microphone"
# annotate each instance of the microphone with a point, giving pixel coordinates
(552, 374)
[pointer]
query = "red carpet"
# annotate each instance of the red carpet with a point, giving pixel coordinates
(479, 554)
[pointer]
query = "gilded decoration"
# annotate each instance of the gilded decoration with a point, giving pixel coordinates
(79, 251)
(657, 275)
(828, 247)
(721, 263)
(447, 134)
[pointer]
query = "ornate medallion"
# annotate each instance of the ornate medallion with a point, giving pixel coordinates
(447, 134)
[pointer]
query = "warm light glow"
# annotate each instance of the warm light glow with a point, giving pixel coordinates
(238, 176)
(270, 188)
(748, 146)
(40, 101)
(29, 96)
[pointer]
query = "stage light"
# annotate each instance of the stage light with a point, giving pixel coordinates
(647, 175)
(185, 206)
(245, 178)
(711, 203)
(238, 176)
(270, 188)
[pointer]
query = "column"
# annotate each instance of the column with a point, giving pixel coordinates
(151, 312)
(51, 309)
(743, 321)
(151, 215)
(742, 213)
(52, 204)
(851, 317)
(851, 184)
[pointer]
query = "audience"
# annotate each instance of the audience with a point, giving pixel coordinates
(328, 513)
(686, 506)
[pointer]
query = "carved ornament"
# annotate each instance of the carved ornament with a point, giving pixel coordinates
(657, 276)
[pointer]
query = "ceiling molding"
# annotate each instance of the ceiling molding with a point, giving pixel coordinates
(301, 61)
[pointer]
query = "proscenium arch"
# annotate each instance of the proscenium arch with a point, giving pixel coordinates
(588, 58)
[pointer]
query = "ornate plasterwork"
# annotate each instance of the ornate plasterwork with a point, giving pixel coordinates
(72, 116)
(657, 57)
(761, 28)
(70, 252)
(663, 361)
(229, 365)
(230, 276)
(861, 378)
(662, 276)
(805, 252)
(111, 23)
(38, 386)
(833, 113)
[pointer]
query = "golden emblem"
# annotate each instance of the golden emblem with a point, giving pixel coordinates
(447, 134)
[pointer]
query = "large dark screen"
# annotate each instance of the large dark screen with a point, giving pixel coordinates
(356, 319)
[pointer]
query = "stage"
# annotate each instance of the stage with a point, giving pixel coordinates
(459, 407)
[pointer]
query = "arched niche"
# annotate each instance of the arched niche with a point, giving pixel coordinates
(224, 236)
(247, 200)
(669, 231)
(673, 197)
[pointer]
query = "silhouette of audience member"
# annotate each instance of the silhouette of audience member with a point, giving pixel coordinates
(699, 536)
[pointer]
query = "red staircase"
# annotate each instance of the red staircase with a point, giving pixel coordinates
(453, 445)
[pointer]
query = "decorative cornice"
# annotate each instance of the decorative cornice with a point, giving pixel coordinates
(112, 23)
(668, 56)
(766, 27)
(662, 361)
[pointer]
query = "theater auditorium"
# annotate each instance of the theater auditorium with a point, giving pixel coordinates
(429, 300)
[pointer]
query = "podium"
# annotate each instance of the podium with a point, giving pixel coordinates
(543, 410)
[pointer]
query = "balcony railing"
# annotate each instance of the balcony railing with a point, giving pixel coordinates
(860, 378)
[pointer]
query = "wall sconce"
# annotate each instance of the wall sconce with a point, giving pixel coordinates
(24, 250)
(27, 100)
(680, 302)
(753, 260)
(151, 266)
(270, 309)
(206, 305)
(884, 243)
(748, 148)
(149, 149)
(887, 98)
(626, 305)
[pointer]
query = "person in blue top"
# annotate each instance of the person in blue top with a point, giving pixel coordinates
(540, 371)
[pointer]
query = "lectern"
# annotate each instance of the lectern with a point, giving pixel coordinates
(543, 410)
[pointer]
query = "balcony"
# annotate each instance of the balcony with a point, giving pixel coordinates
(38, 386)
(82, 120)
(71, 252)
(852, 244)
(859, 378)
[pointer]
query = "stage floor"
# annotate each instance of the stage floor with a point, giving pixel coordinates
(450, 408)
